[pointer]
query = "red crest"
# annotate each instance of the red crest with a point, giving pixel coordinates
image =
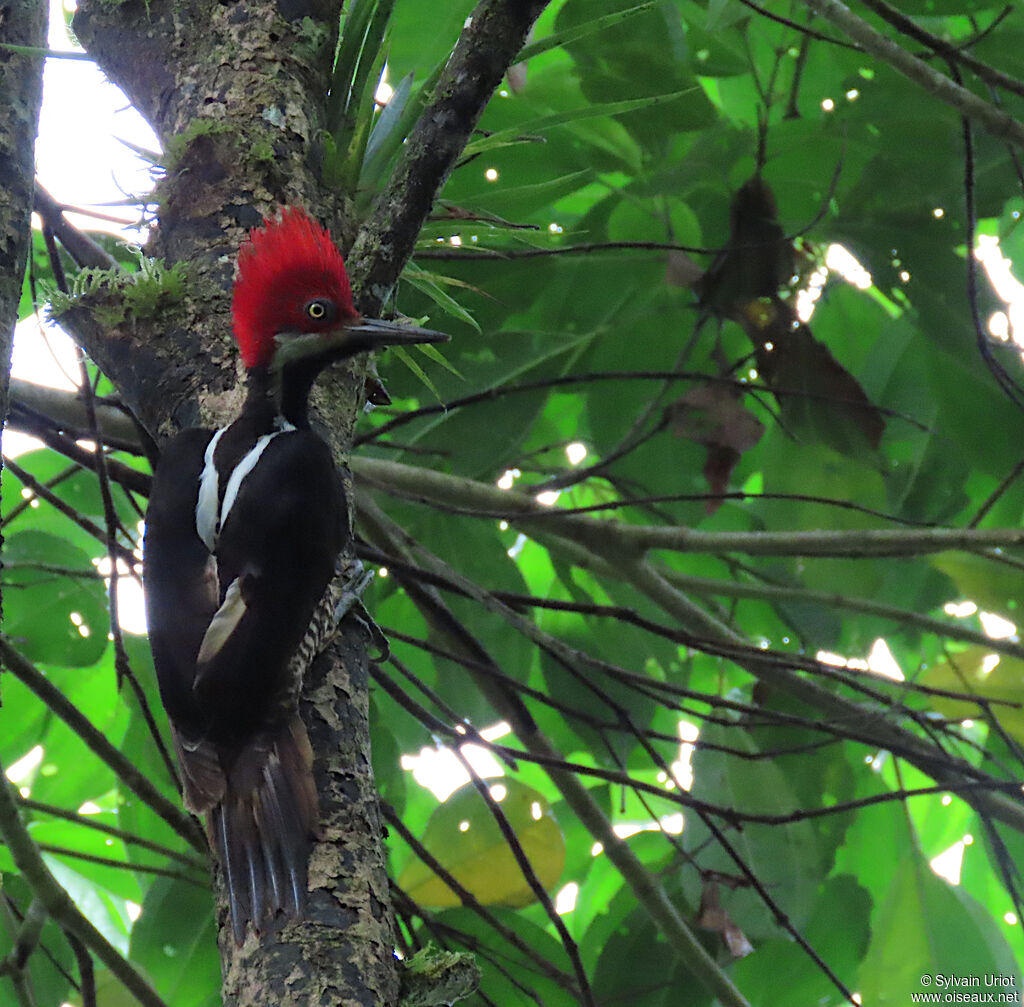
(282, 267)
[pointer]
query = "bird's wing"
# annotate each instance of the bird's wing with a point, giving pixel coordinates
(180, 576)
(276, 555)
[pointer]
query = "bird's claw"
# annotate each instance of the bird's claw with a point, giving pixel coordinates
(357, 580)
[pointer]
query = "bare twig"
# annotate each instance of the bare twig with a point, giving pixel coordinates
(97, 743)
(58, 903)
(79, 245)
(883, 48)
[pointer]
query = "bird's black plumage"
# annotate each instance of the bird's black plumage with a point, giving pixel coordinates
(225, 626)
(244, 528)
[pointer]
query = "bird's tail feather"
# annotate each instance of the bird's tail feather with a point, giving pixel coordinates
(263, 828)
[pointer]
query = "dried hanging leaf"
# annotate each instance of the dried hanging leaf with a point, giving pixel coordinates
(820, 400)
(714, 416)
(711, 916)
(757, 262)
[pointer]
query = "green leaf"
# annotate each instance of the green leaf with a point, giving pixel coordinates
(787, 859)
(926, 927)
(438, 357)
(175, 941)
(406, 357)
(386, 136)
(515, 134)
(977, 671)
(838, 932)
(52, 964)
(49, 616)
(429, 284)
(579, 31)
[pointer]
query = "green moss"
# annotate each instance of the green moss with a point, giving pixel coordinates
(114, 296)
(434, 977)
(262, 150)
(312, 38)
(178, 145)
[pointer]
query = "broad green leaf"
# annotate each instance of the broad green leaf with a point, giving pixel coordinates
(175, 940)
(787, 858)
(838, 932)
(925, 927)
(51, 616)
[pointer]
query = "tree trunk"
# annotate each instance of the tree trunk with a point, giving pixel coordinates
(21, 91)
(237, 94)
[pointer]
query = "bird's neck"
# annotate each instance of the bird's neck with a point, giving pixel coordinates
(284, 393)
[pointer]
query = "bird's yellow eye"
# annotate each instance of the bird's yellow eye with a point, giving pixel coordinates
(320, 310)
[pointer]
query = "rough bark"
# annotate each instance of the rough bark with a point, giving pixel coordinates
(235, 91)
(21, 91)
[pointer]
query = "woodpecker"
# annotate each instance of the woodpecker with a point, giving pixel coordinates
(244, 527)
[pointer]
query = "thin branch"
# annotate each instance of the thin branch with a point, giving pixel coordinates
(59, 904)
(64, 443)
(129, 838)
(647, 889)
(499, 391)
(30, 482)
(123, 865)
(122, 663)
(66, 411)
(883, 48)
(865, 683)
(79, 245)
(803, 29)
(941, 47)
(25, 940)
(902, 616)
(470, 901)
(86, 971)
(612, 538)
(530, 876)
(496, 32)
(97, 743)
(462, 252)
(26, 501)
(993, 498)
(615, 548)
(837, 708)
(682, 798)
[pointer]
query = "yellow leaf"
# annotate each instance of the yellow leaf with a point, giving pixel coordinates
(465, 838)
(979, 672)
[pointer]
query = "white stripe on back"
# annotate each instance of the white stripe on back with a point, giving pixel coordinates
(209, 518)
(206, 502)
(242, 469)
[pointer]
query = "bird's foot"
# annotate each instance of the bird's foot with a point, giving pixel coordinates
(357, 580)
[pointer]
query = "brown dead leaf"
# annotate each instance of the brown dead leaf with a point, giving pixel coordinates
(820, 399)
(714, 416)
(712, 916)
